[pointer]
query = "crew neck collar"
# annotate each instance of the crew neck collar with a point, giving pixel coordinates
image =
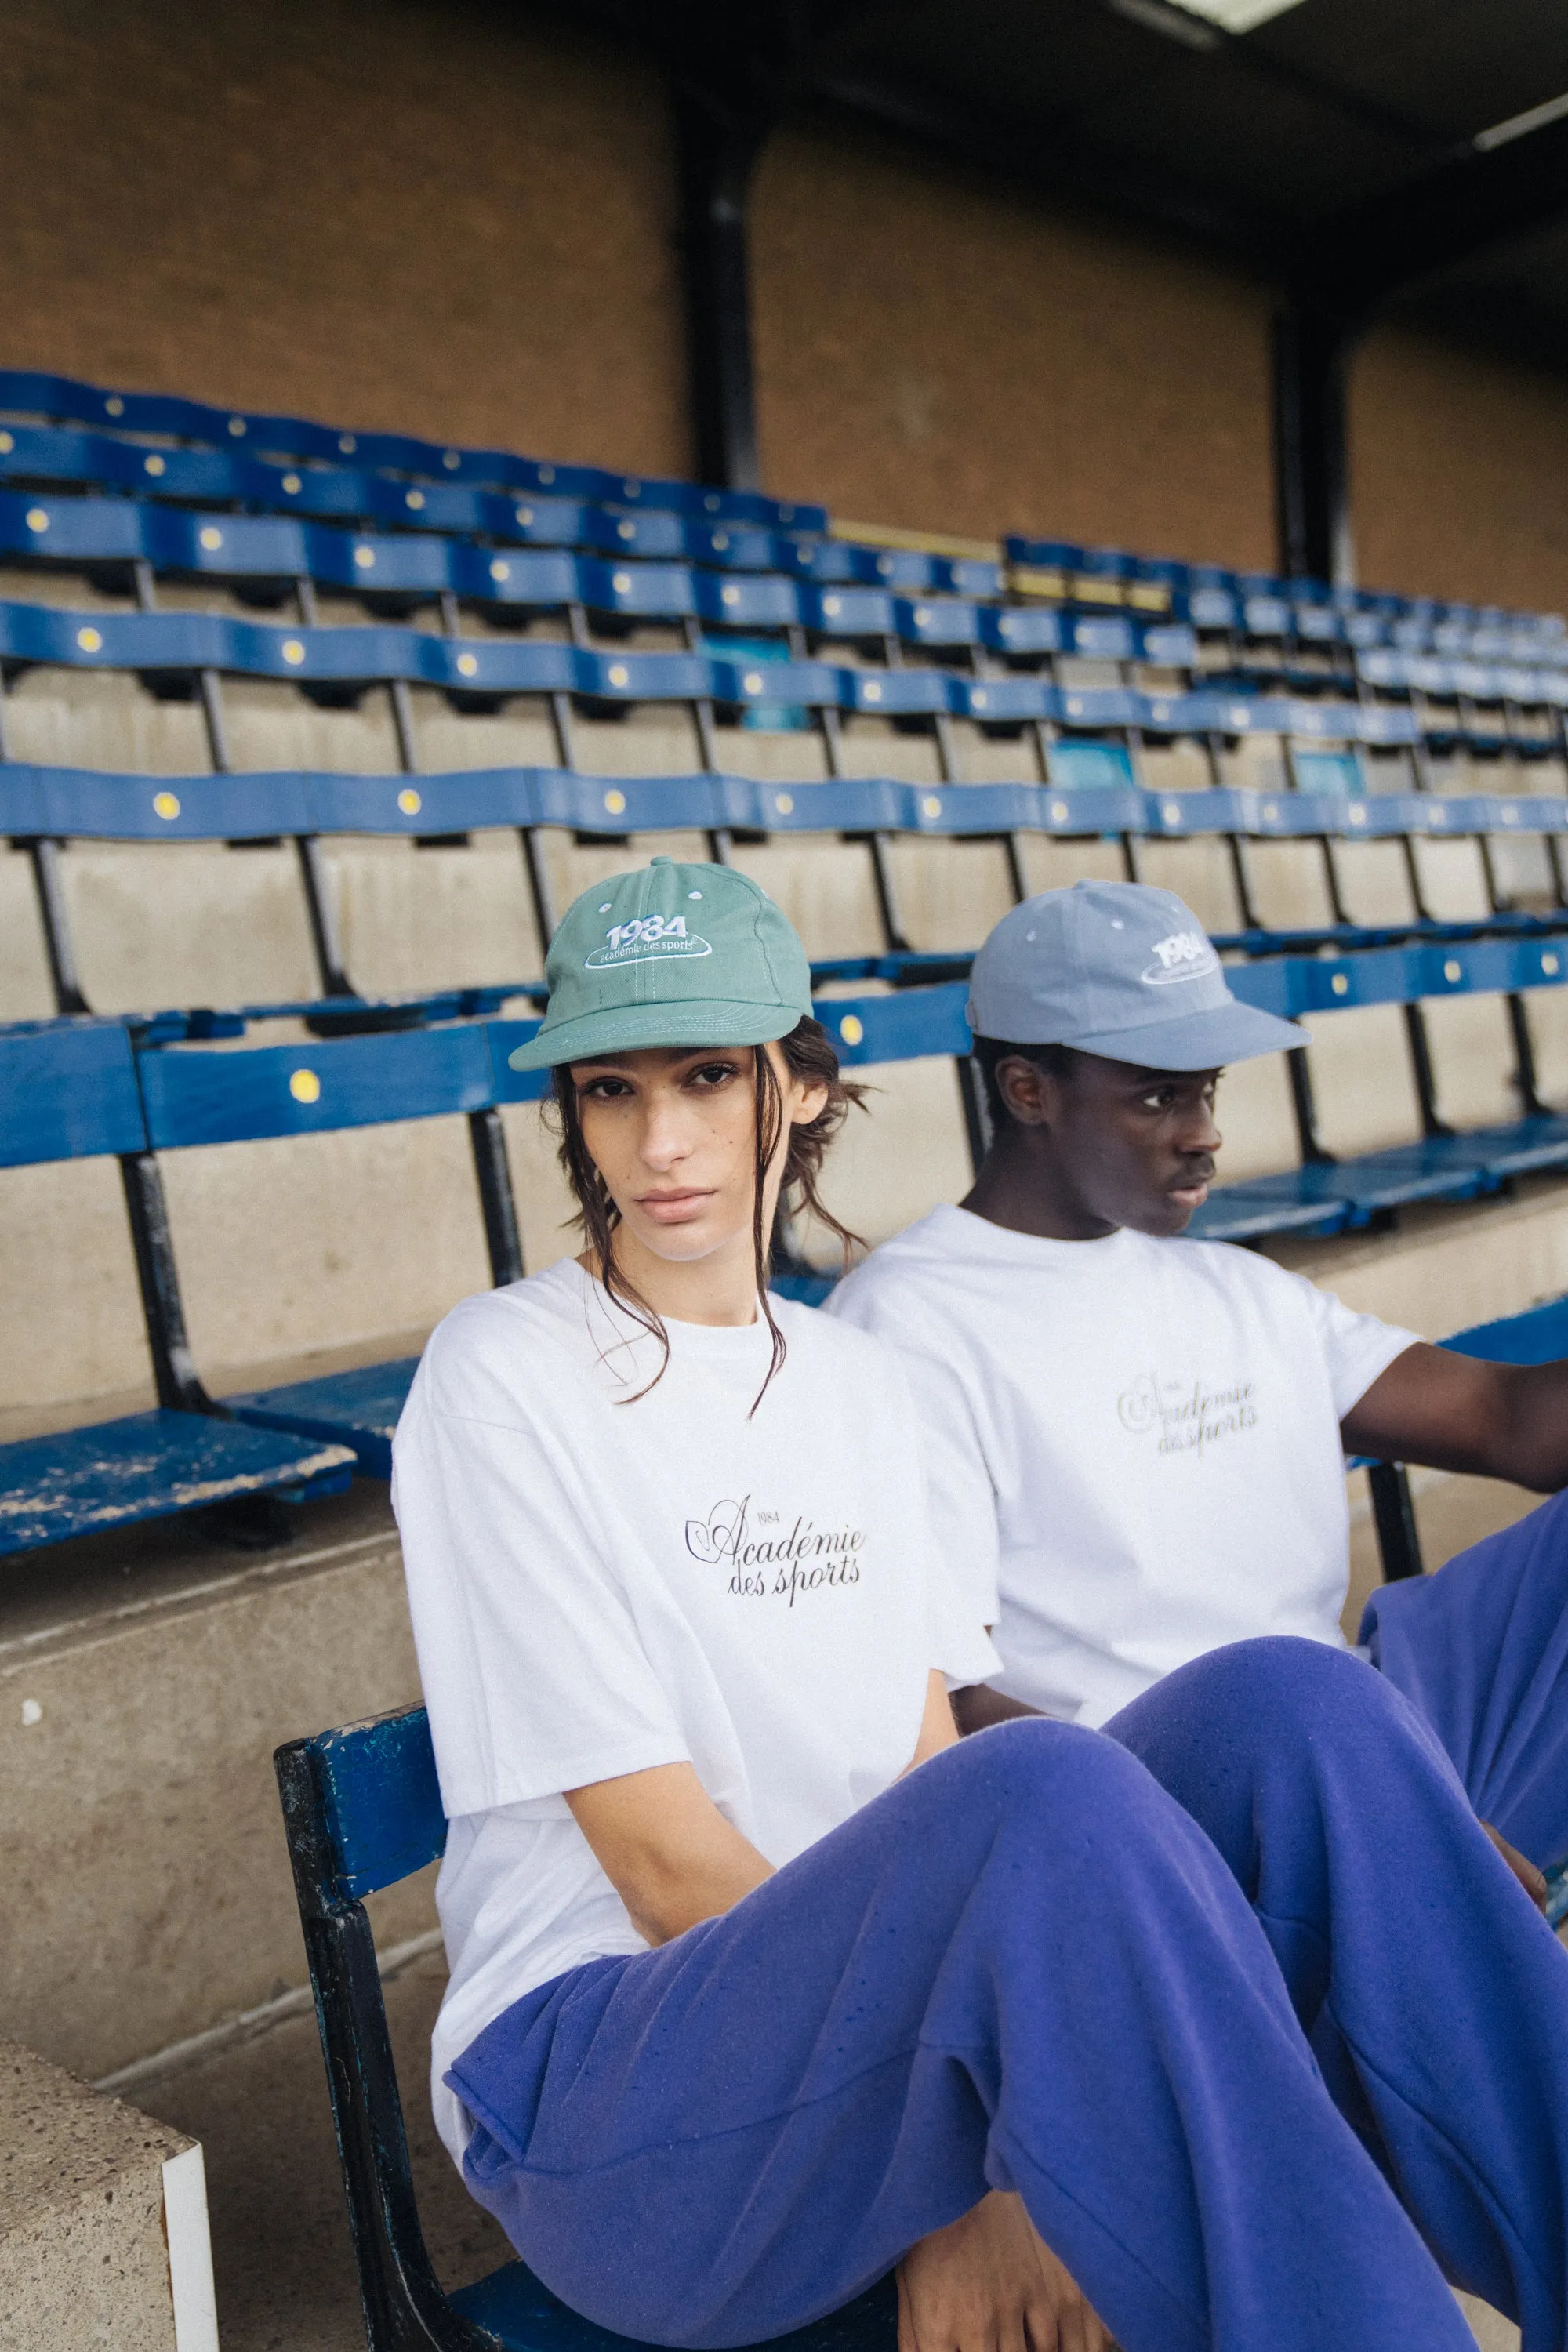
(728, 1340)
(963, 1234)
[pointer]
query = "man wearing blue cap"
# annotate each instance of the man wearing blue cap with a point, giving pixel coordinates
(1136, 1443)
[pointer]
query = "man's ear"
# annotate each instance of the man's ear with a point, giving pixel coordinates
(1029, 1094)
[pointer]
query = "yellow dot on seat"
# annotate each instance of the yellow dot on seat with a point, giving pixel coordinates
(833, 606)
(729, 595)
(1340, 984)
(500, 570)
(347, 444)
(1270, 809)
(90, 640)
(414, 499)
(7, 443)
(547, 474)
(852, 1029)
(155, 464)
(166, 805)
(291, 484)
(1058, 812)
(37, 518)
(468, 665)
(236, 427)
(752, 682)
(616, 802)
(1439, 816)
(305, 1085)
(1171, 811)
(1357, 814)
(1548, 963)
(922, 616)
(979, 700)
(115, 406)
(785, 804)
(720, 542)
(451, 460)
(632, 490)
(525, 516)
(409, 802)
(210, 538)
(931, 805)
(365, 557)
(292, 650)
(619, 673)
(621, 581)
(625, 529)
(1453, 969)
(872, 691)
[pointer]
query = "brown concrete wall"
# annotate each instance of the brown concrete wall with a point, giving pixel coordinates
(939, 353)
(1460, 469)
(446, 219)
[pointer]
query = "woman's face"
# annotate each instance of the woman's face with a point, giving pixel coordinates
(673, 1134)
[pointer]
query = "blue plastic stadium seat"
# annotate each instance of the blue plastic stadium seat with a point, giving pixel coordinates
(357, 1409)
(153, 1465)
(69, 1091)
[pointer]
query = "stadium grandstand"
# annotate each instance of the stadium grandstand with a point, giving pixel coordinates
(917, 457)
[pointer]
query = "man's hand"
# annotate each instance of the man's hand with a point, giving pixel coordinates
(1523, 1869)
(986, 2284)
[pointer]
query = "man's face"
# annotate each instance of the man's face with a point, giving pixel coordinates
(1133, 1147)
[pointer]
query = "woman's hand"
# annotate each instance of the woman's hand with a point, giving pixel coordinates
(985, 2284)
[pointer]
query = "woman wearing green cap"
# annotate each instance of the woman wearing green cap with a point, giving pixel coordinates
(760, 1984)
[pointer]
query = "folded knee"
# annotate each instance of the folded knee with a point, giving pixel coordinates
(1034, 1767)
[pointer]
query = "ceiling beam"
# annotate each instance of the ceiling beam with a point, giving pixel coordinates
(1476, 198)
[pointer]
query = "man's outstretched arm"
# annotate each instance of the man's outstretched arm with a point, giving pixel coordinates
(1499, 1421)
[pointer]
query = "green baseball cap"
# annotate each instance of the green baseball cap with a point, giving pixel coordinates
(671, 955)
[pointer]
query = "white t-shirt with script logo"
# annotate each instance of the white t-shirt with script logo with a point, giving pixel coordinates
(599, 1586)
(1132, 1445)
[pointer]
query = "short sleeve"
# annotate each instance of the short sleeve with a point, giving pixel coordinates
(1357, 1349)
(962, 1499)
(534, 1674)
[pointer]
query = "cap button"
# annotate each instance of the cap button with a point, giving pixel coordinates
(661, 861)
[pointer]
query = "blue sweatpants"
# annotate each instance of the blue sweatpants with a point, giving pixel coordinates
(1482, 1650)
(1029, 1964)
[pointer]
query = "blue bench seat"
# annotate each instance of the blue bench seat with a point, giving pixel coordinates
(151, 1465)
(358, 1409)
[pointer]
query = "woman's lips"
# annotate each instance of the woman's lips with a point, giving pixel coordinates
(673, 1208)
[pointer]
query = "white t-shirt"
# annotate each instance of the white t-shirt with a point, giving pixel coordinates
(1132, 1445)
(599, 1586)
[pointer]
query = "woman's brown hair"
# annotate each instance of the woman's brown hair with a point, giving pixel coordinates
(809, 1055)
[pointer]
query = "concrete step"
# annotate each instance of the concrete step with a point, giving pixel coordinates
(103, 2221)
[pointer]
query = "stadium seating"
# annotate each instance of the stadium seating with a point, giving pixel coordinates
(173, 1086)
(545, 668)
(70, 1092)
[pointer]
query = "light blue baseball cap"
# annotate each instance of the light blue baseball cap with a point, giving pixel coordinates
(1122, 970)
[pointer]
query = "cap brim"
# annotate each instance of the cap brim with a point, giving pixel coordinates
(631, 1028)
(1202, 1041)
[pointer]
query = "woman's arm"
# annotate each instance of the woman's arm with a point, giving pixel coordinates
(666, 1848)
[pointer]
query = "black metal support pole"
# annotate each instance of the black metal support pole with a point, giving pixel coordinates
(718, 148)
(1313, 343)
(492, 1174)
(178, 1383)
(1394, 1514)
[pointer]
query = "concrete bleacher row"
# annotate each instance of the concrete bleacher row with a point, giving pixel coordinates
(660, 569)
(413, 486)
(98, 1090)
